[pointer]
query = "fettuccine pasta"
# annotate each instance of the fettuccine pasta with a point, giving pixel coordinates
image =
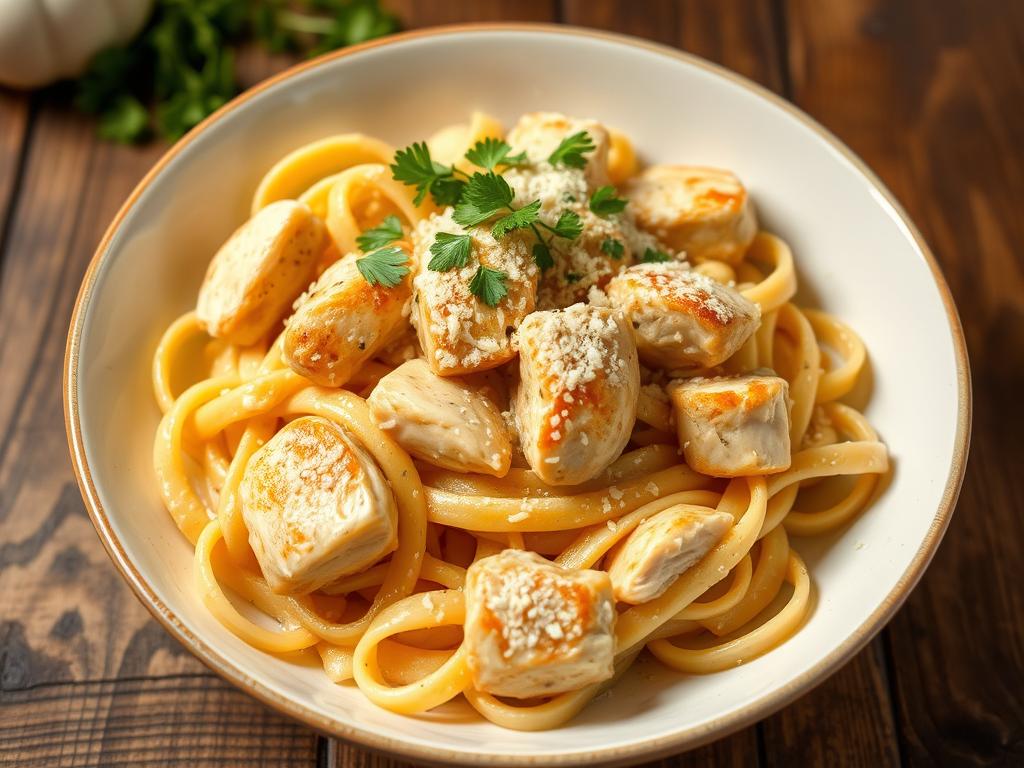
(490, 417)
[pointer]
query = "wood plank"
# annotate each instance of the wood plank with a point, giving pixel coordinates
(931, 100)
(67, 615)
(845, 721)
(739, 34)
(128, 722)
(14, 119)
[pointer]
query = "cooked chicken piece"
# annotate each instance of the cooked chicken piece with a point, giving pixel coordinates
(539, 134)
(343, 323)
(703, 211)
(605, 246)
(733, 426)
(662, 547)
(317, 506)
(256, 275)
(442, 421)
(536, 629)
(681, 318)
(458, 332)
(578, 389)
(590, 261)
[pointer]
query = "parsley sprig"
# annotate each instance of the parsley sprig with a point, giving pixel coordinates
(383, 234)
(654, 256)
(181, 67)
(490, 153)
(386, 267)
(604, 202)
(414, 167)
(383, 265)
(449, 252)
(571, 150)
(613, 247)
(488, 285)
(487, 197)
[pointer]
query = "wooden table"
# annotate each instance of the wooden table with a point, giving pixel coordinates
(930, 94)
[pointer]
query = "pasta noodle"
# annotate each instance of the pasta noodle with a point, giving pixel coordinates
(395, 626)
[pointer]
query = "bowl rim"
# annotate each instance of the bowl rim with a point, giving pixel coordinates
(681, 740)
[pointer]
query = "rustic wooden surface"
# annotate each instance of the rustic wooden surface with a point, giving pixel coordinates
(929, 93)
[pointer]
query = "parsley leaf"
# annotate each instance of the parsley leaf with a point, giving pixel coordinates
(386, 267)
(522, 217)
(383, 234)
(652, 256)
(572, 277)
(447, 191)
(613, 247)
(604, 202)
(488, 285)
(570, 152)
(125, 121)
(449, 252)
(568, 226)
(414, 167)
(490, 153)
(181, 65)
(542, 256)
(346, 22)
(483, 196)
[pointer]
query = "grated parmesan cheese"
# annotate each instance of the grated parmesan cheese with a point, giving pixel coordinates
(457, 331)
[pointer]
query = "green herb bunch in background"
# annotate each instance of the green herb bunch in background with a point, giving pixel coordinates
(181, 67)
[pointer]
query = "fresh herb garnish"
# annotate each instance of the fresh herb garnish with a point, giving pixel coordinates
(386, 267)
(481, 197)
(414, 167)
(572, 277)
(449, 252)
(181, 67)
(383, 234)
(484, 196)
(542, 255)
(519, 218)
(570, 152)
(612, 247)
(487, 195)
(490, 153)
(652, 256)
(488, 285)
(604, 202)
(568, 226)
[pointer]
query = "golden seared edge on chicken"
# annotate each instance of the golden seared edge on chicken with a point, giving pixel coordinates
(343, 322)
(256, 275)
(536, 629)
(317, 506)
(733, 426)
(705, 212)
(681, 318)
(579, 380)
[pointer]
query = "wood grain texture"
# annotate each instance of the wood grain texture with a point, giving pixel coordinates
(66, 617)
(127, 722)
(14, 123)
(932, 98)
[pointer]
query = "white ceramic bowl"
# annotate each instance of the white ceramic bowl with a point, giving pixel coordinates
(857, 255)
